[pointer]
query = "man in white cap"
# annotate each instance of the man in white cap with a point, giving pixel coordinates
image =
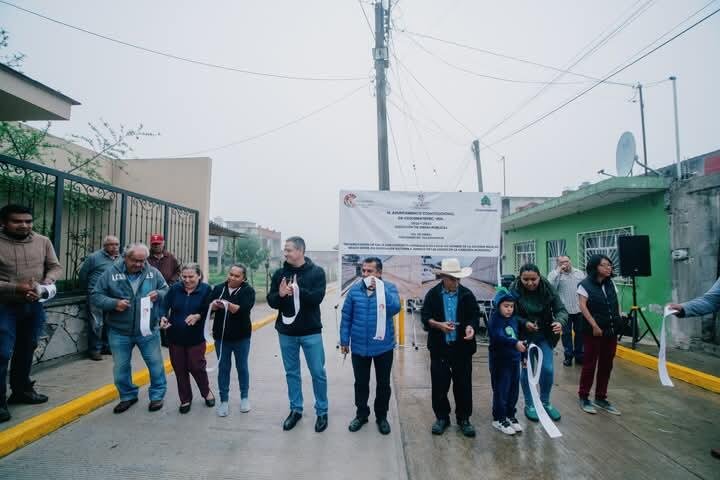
(450, 314)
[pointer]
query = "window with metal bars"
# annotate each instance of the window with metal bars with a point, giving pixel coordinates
(524, 253)
(555, 249)
(602, 242)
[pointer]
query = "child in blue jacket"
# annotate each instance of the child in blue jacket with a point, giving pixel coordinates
(504, 359)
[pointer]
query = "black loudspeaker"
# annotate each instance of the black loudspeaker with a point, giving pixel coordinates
(634, 253)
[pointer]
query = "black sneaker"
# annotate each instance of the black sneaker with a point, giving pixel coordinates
(383, 426)
(466, 428)
(124, 405)
(291, 420)
(357, 423)
(29, 397)
(440, 425)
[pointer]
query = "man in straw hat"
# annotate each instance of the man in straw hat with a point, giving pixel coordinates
(450, 314)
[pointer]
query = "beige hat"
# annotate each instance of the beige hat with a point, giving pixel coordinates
(451, 267)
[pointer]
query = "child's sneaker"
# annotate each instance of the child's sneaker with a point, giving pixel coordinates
(607, 406)
(515, 424)
(504, 426)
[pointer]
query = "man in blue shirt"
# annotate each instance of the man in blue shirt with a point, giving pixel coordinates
(450, 314)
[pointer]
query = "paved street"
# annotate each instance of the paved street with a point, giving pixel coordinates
(663, 433)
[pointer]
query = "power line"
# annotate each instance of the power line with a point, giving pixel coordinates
(367, 20)
(279, 127)
(488, 76)
(185, 59)
(576, 60)
(568, 102)
(397, 155)
(508, 57)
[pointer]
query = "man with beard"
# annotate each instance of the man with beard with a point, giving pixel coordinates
(27, 262)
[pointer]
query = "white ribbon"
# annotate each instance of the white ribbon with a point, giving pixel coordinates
(381, 314)
(209, 340)
(662, 363)
(296, 302)
(534, 380)
(45, 292)
(146, 306)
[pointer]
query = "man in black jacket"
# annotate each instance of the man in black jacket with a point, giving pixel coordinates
(450, 314)
(296, 291)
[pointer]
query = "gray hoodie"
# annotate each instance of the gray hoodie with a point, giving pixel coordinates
(93, 267)
(113, 285)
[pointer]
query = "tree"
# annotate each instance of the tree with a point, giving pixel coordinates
(22, 142)
(12, 60)
(249, 251)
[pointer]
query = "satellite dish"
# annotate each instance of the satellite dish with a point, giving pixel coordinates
(625, 155)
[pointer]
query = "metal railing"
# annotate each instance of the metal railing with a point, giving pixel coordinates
(77, 213)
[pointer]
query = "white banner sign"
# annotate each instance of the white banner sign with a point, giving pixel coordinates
(454, 224)
(412, 232)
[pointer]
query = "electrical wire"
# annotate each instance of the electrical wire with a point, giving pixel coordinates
(568, 102)
(186, 59)
(576, 59)
(279, 127)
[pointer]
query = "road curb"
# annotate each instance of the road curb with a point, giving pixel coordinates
(45, 423)
(679, 372)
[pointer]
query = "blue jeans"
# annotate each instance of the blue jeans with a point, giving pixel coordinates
(312, 346)
(224, 351)
(574, 322)
(21, 324)
(546, 372)
(122, 347)
(97, 330)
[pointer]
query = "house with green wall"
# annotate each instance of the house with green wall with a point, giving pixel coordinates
(589, 221)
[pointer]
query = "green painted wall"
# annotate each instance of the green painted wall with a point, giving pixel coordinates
(645, 214)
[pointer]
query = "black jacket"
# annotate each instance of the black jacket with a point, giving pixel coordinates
(237, 325)
(311, 280)
(468, 313)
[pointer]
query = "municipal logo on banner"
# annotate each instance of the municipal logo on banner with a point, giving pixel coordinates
(349, 200)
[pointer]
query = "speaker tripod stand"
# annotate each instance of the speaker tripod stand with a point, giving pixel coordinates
(635, 311)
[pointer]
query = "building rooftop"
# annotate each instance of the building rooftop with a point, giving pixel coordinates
(22, 98)
(606, 192)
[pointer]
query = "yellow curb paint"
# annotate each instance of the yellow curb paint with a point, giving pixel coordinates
(693, 377)
(47, 422)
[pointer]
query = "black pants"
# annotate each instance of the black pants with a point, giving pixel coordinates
(456, 367)
(361, 369)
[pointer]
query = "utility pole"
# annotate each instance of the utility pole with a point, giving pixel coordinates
(677, 129)
(478, 166)
(642, 121)
(380, 55)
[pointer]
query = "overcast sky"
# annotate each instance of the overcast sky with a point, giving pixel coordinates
(289, 180)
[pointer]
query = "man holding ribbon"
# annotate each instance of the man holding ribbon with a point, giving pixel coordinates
(697, 307)
(367, 330)
(450, 314)
(28, 271)
(297, 289)
(131, 291)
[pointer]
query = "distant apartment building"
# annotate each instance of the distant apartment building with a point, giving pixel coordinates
(270, 239)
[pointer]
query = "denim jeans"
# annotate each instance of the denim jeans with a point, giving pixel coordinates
(122, 347)
(546, 372)
(573, 348)
(21, 325)
(312, 346)
(97, 330)
(225, 350)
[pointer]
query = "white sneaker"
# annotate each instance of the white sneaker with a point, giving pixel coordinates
(515, 424)
(504, 426)
(244, 405)
(223, 409)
